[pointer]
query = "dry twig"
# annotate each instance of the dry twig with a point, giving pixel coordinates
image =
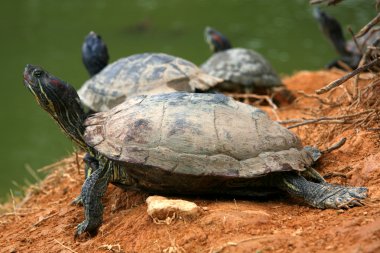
(69, 249)
(370, 33)
(321, 100)
(355, 40)
(43, 219)
(260, 97)
(110, 247)
(229, 244)
(334, 146)
(77, 161)
(58, 164)
(334, 174)
(328, 120)
(14, 205)
(368, 26)
(343, 79)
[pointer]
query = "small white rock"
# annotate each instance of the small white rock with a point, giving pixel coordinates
(164, 211)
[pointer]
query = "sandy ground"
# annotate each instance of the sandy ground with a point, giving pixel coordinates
(45, 221)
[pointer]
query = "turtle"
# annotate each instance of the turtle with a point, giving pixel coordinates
(94, 53)
(185, 143)
(145, 73)
(350, 54)
(243, 70)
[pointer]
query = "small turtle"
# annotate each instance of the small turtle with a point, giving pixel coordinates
(349, 53)
(94, 53)
(146, 73)
(243, 70)
(185, 143)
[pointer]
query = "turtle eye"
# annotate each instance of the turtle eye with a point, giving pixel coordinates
(37, 73)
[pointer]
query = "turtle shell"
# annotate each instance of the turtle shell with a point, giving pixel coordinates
(147, 73)
(190, 134)
(242, 66)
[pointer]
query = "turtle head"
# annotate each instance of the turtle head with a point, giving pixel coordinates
(217, 41)
(94, 53)
(59, 99)
(332, 29)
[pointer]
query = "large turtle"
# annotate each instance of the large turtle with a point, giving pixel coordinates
(243, 70)
(348, 51)
(185, 143)
(146, 73)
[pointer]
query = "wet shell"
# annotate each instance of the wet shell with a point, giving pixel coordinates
(148, 73)
(195, 134)
(242, 66)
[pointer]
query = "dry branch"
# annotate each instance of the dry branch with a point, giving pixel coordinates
(261, 97)
(355, 40)
(73, 251)
(111, 247)
(329, 120)
(234, 244)
(43, 219)
(334, 174)
(59, 163)
(321, 100)
(370, 33)
(244, 95)
(368, 26)
(334, 146)
(343, 79)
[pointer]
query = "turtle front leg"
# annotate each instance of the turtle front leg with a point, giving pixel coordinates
(93, 190)
(91, 164)
(322, 195)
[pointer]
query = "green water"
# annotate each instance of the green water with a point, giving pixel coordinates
(50, 32)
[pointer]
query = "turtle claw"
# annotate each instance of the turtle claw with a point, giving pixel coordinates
(78, 201)
(351, 203)
(356, 202)
(346, 198)
(345, 207)
(89, 226)
(84, 228)
(81, 228)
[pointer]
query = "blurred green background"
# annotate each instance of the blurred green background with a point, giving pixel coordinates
(50, 33)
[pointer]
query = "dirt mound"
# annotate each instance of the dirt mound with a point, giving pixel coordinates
(45, 221)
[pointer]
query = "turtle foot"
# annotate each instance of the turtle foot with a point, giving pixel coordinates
(323, 195)
(86, 227)
(344, 198)
(81, 228)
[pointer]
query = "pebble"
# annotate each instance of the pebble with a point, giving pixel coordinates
(164, 210)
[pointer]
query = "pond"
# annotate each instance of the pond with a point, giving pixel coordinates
(50, 33)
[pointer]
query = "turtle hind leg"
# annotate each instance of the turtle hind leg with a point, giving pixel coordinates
(321, 195)
(312, 174)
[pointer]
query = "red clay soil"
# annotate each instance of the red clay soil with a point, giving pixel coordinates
(45, 221)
